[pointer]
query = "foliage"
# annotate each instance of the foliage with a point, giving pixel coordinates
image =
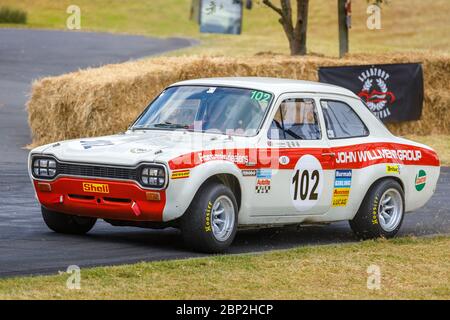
(9, 15)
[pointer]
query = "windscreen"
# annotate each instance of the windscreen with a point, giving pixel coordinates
(233, 111)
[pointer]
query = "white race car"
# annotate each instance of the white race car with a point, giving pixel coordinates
(210, 156)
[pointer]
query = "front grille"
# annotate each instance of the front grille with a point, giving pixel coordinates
(85, 170)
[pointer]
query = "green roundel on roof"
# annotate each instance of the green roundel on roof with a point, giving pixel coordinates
(421, 179)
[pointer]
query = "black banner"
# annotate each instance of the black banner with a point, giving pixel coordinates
(393, 92)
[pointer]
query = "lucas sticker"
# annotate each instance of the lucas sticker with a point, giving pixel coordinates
(342, 185)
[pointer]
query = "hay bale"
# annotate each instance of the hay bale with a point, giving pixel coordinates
(106, 100)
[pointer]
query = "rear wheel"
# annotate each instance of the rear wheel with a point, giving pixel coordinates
(381, 213)
(210, 223)
(68, 224)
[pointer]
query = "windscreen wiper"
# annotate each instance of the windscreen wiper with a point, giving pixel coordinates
(167, 124)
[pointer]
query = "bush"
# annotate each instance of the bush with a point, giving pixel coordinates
(8, 15)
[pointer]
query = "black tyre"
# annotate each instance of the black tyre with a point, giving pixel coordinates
(68, 224)
(381, 212)
(210, 223)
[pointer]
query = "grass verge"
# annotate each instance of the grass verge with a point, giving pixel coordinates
(411, 268)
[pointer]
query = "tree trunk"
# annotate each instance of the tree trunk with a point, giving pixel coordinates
(194, 13)
(296, 34)
(343, 29)
(301, 26)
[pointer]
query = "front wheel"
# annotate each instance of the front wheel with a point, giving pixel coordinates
(210, 223)
(64, 223)
(381, 212)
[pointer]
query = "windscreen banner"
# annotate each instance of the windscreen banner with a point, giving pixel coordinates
(393, 92)
(221, 16)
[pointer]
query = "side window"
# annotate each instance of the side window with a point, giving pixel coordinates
(341, 121)
(296, 119)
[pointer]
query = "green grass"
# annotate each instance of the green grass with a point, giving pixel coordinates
(411, 268)
(406, 25)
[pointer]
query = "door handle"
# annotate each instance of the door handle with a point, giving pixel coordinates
(328, 154)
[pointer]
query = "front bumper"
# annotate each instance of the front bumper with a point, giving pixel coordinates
(109, 199)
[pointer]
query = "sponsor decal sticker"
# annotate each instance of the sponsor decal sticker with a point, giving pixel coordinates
(293, 144)
(181, 174)
(372, 155)
(264, 173)
(421, 180)
(248, 173)
(284, 160)
(330, 133)
(95, 187)
(235, 158)
(139, 150)
(306, 183)
(392, 168)
(95, 143)
(342, 185)
(263, 179)
(277, 143)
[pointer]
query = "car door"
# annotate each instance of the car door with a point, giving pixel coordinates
(299, 182)
(346, 133)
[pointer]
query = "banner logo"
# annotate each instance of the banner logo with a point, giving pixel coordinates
(392, 92)
(375, 91)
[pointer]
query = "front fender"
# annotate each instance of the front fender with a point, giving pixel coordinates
(181, 191)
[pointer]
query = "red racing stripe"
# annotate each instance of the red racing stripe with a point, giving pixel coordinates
(352, 157)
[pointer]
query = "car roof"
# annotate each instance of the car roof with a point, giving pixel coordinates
(275, 85)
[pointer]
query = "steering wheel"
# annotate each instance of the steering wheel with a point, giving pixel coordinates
(292, 133)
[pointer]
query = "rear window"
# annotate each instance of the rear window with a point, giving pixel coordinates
(341, 121)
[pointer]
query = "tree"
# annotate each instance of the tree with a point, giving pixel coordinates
(344, 24)
(194, 13)
(295, 32)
